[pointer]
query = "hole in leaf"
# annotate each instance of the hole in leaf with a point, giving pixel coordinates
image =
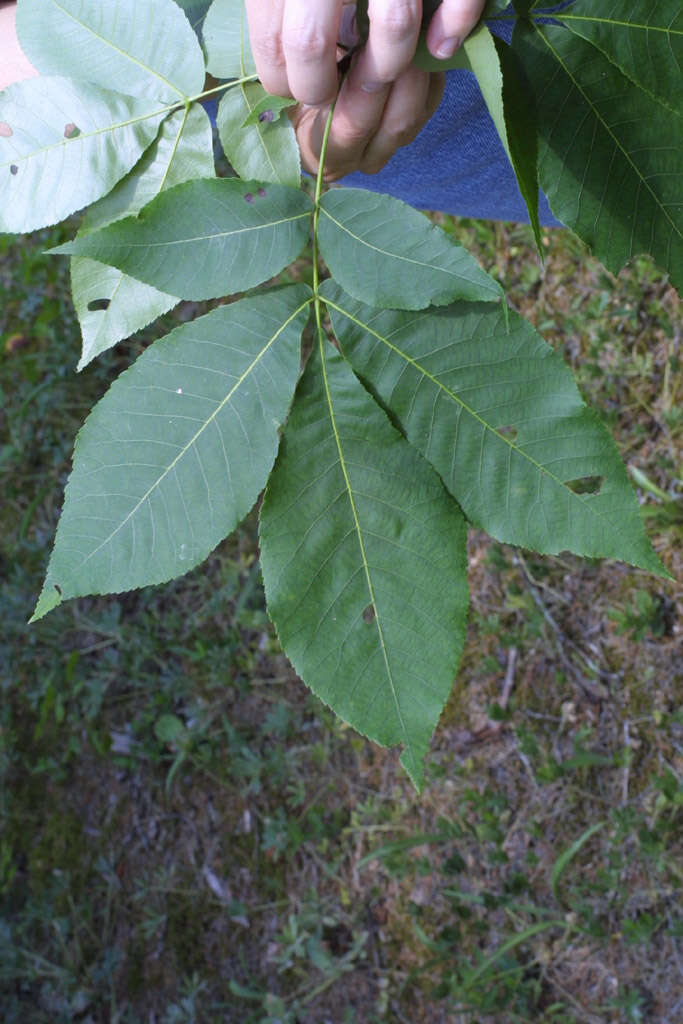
(262, 193)
(6, 130)
(71, 131)
(369, 614)
(249, 198)
(585, 484)
(99, 304)
(266, 115)
(508, 431)
(13, 169)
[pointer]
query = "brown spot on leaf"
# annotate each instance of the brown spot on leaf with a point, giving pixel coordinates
(13, 169)
(58, 589)
(369, 614)
(266, 115)
(98, 304)
(262, 193)
(6, 130)
(71, 131)
(249, 198)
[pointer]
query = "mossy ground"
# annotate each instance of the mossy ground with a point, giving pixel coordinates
(186, 830)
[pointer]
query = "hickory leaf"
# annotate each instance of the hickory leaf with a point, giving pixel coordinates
(114, 45)
(64, 144)
(177, 451)
(384, 252)
(498, 415)
(205, 238)
(363, 558)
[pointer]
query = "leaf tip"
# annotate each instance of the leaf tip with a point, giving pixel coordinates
(414, 768)
(50, 597)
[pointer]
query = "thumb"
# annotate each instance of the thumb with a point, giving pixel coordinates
(451, 24)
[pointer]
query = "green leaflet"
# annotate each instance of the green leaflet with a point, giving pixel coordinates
(177, 451)
(115, 45)
(110, 304)
(498, 415)
(363, 558)
(261, 150)
(226, 40)
(383, 251)
(205, 238)
(644, 40)
(610, 158)
(84, 140)
(183, 150)
(500, 79)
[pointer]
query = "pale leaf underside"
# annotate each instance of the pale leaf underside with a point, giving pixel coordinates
(177, 451)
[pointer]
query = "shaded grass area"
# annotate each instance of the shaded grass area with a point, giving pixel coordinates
(188, 835)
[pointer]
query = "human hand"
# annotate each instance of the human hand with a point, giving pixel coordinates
(384, 102)
(367, 127)
(294, 42)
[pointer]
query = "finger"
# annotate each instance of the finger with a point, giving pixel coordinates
(394, 31)
(265, 35)
(356, 117)
(451, 24)
(309, 41)
(413, 100)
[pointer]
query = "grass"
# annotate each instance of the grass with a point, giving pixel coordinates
(187, 835)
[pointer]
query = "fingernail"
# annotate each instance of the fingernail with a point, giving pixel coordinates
(373, 86)
(447, 48)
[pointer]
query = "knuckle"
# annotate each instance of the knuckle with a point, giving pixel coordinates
(398, 22)
(306, 43)
(268, 52)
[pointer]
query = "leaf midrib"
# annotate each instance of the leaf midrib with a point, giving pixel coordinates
(85, 136)
(397, 256)
(111, 245)
(364, 559)
(621, 24)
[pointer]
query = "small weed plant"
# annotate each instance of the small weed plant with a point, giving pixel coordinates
(424, 403)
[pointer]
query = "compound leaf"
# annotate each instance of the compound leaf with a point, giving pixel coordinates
(177, 451)
(226, 39)
(499, 416)
(363, 558)
(265, 149)
(64, 144)
(644, 39)
(115, 45)
(205, 238)
(610, 156)
(383, 251)
(112, 305)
